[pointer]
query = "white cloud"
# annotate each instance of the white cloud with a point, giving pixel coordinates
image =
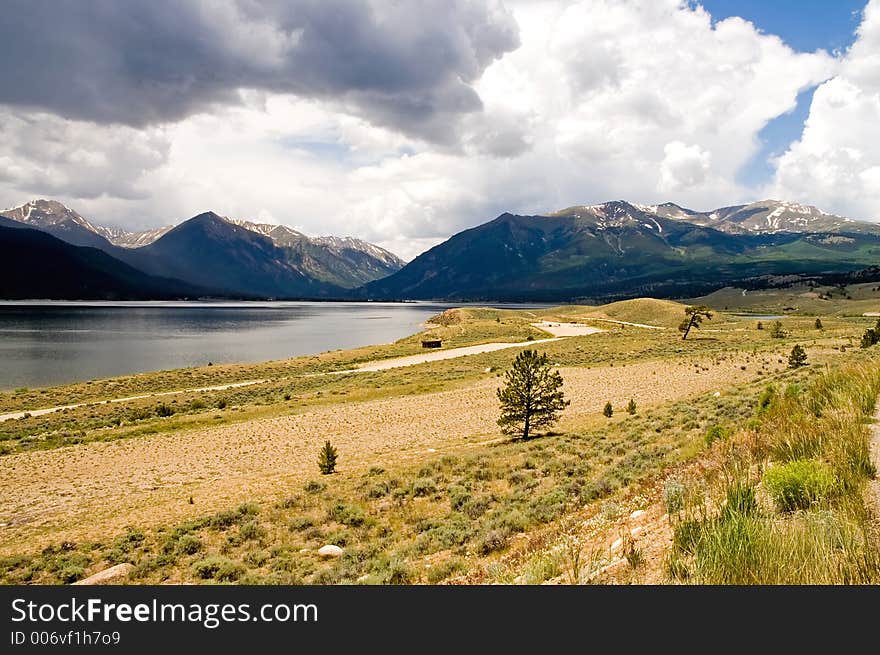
(683, 166)
(836, 162)
(638, 99)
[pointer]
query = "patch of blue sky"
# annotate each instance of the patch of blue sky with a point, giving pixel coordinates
(775, 138)
(806, 26)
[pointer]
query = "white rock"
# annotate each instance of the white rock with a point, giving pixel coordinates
(636, 531)
(432, 450)
(330, 550)
(637, 514)
(717, 394)
(617, 544)
(102, 577)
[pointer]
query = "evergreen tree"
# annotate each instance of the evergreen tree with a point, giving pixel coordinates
(819, 325)
(631, 406)
(532, 396)
(798, 357)
(693, 316)
(609, 410)
(777, 331)
(327, 459)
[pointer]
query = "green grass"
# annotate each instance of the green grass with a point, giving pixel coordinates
(811, 442)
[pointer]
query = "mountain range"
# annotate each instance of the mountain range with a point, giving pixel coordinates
(211, 255)
(617, 250)
(595, 252)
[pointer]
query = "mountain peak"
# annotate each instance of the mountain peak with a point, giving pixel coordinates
(208, 216)
(44, 212)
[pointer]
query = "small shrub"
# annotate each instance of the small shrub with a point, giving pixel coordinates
(798, 484)
(221, 404)
(218, 568)
(188, 544)
(673, 496)
(314, 487)
(631, 407)
(765, 400)
(716, 433)
(608, 410)
(164, 410)
(350, 515)
(398, 573)
(251, 530)
(300, 523)
(777, 331)
(440, 572)
(818, 324)
(492, 541)
(423, 487)
(458, 496)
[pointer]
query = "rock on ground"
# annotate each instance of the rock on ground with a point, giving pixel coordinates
(107, 575)
(329, 551)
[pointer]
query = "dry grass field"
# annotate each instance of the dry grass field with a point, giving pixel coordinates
(112, 482)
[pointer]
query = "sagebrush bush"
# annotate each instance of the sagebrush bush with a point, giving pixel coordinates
(799, 484)
(716, 433)
(423, 487)
(673, 496)
(350, 515)
(188, 544)
(218, 568)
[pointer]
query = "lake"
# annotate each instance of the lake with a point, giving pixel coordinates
(46, 343)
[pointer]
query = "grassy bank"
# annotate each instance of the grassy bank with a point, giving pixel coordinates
(783, 502)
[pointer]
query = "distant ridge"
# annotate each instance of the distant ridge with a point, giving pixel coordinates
(240, 258)
(618, 250)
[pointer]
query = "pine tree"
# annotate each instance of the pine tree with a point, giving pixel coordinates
(609, 410)
(327, 459)
(532, 396)
(819, 325)
(693, 316)
(631, 406)
(798, 357)
(777, 331)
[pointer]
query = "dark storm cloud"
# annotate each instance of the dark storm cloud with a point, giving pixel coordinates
(407, 65)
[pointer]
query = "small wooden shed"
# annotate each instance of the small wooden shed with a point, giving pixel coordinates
(432, 343)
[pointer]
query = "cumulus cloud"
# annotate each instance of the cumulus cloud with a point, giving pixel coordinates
(43, 154)
(406, 65)
(401, 122)
(683, 166)
(836, 162)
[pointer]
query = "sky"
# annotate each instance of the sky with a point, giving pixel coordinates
(405, 122)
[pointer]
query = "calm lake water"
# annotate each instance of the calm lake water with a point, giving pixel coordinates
(46, 343)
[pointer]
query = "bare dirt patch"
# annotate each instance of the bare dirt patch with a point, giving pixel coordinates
(566, 329)
(95, 489)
